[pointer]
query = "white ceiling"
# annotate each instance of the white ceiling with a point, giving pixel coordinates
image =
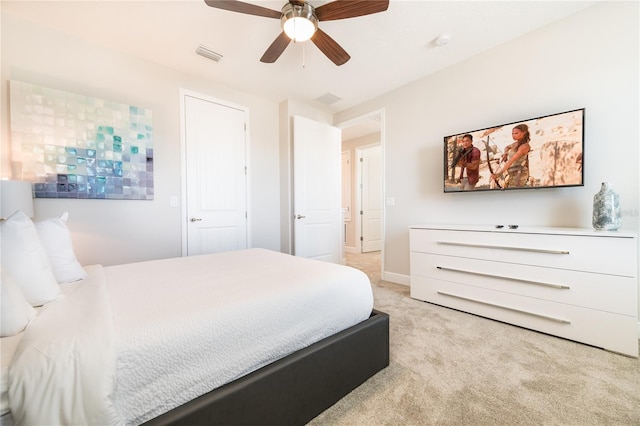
(388, 49)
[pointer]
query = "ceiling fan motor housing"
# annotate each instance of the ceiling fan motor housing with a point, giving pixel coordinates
(299, 21)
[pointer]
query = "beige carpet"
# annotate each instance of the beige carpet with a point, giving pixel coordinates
(449, 367)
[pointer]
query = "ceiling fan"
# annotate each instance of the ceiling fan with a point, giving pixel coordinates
(299, 22)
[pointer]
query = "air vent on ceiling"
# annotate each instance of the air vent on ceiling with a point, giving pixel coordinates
(208, 53)
(329, 98)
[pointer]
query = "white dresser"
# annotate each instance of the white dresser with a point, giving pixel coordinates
(578, 284)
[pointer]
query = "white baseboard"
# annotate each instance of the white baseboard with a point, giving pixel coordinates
(392, 277)
(350, 249)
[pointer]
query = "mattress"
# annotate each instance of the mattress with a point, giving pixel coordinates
(175, 329)
(203, 321)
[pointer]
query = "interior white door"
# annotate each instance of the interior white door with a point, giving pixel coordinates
(216, 180)
(346, 185)
(371, 169)
(317, 190)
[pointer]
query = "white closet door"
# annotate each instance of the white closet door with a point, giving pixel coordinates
(216, 180)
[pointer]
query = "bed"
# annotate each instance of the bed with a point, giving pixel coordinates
(246, 337)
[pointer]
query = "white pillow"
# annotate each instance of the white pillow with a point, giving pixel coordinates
(24, 258)
(56, 240)
(16, 312)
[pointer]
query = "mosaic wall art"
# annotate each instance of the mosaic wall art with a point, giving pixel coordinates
(75, 146)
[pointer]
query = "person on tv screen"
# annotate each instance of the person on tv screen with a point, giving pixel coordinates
(469, 162)
(516, 159)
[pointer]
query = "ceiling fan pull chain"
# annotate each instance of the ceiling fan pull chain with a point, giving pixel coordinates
(304, 56)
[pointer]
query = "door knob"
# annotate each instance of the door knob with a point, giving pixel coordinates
(195, 219)
(300, 217)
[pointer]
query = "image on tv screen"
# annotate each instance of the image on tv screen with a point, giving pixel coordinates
(543, 152)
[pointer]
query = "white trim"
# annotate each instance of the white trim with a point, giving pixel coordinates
(393, 277)
(347, 211)
(247, 163)
(183, 173)
(358, 219)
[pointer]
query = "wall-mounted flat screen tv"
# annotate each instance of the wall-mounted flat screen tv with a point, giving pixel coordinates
(542, 152)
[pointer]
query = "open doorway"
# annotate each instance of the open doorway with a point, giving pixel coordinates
(363, 189)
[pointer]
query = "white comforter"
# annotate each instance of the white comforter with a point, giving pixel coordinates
(62, 370)
(182, 327)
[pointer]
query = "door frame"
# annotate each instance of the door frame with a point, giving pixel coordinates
(380, 116)
(183, 162)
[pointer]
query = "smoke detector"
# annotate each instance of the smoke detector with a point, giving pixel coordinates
(442, 40)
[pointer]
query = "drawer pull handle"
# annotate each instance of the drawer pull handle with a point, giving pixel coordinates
(448, 243)
(562, 321)
(559, 286)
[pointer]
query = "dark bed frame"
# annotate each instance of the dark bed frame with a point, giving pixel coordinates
(294, 389)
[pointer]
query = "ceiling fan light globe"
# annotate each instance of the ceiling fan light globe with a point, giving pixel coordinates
(299, 29)
(299, 22)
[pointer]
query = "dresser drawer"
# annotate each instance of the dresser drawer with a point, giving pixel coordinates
(610, 293)
(618, 333)
(607, 255)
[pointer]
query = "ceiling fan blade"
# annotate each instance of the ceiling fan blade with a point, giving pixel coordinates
(275, 50)
(330, 48)
(342, 9)
(241, 7)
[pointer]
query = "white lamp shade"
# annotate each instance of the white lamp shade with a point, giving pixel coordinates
(299, 22)
(299, 29)
(15, 195)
